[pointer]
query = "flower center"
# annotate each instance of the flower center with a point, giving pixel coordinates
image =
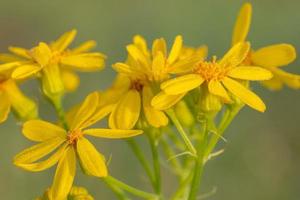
(210, 70)
(137, 85)
(73, 136)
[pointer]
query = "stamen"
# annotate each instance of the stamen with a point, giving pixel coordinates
(73, 136)
(211, 70)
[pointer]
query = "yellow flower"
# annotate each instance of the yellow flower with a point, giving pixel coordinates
(55, 63)
(219, 77)
(140, 77)
(76, 193)
(65, 146)
(11, 96)
(271, 57)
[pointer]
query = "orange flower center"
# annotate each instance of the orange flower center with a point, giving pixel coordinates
(137, 85)
(73, 136)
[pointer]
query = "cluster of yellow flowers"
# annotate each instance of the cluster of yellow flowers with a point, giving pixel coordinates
(157, 90)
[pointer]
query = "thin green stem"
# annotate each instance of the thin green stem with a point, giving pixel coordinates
(139, 193)
(183, 186)
(141, 157)
(182, 132)
(117, 191)
(60, 112)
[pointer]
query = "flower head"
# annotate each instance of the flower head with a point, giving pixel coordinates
(221, 77)
(270, 57)
(66, 146)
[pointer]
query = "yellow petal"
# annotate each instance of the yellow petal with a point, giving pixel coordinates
(4, 107)
(216, 88)
(155, 117)
(289, 79)
(112, 133)
(64, 41)
(25, 71)
(42, 165)
(158, 64)
(84, 47)
(39, 131)
(84, 62)
(7, 58)
(183, 66)
(99, 114)
(86, 110)
(250, 73)
(70, 80)
(137, 55)
(37, 151)
(235, 55)
(52, 81)
(182, 84)
(163, 101)
(41, 54)
(9, 66)
(126, 69)
(141, 43)
(126, 112)
(175, 50)
(273, 84)
(244, 94)
(19, 51)
(159, 45)
(91, 160)
(242, 24)
(64, 175)
(274, 55)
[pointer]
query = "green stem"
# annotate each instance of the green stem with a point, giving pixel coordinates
(117, 191)
(182, 132)
(145, 195)
(140, 156)
(60, 112)
(182, 187)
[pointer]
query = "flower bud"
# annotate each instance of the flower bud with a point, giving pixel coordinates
(209, 103)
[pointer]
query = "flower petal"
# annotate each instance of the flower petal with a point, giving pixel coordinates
(39, 131)
(126, 112)
(85, 61)
(19, 51)
(64, 175)
(64, 41)
(125, 69)
(92, 162)
(25, 71)
(175, 50)
(274, 56)
(84, 47)
(141, 43)
(158, 65)
(112, 133)
(138, 55)
(181, 84)
(163, 101)
(235, 55)
(159, 45)
(41, 54)
(216, 88)
(155, 117)
(242, 24)
(244, 94)
(37, 151)
(4, 107)
(52, 81)
(250, 73)
(9, 66)
(70, 80)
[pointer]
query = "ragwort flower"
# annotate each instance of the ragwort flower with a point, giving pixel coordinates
(65, 146)
(270, 57)
(220, 77)
(140, 77)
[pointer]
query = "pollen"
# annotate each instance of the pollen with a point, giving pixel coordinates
(73, 136)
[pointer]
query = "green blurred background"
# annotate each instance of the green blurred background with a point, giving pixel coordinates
(261, 160)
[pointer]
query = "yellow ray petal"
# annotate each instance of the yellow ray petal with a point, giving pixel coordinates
(242, 24)
(181, 84)
(86, 110)
(158, 64)
(273, 84)
(289, 79)
(235, 55)
(52, 82)
(41, 54)
(112, 133)
(19, 51)
(175, 50)
(84, 47)
(126, 69)
(216, 88)
(274, 55)
(37, 151)
(7, 58)
(64, 175)
(126, 112)
(4, 106)
(70, 80)
(159, 45)
(183, 66)
(163, 101)
(9, 66)
(155, 117)
(39, 131)
(91, 160)
(64, 41)
(84, 62)
(244, 94)
(138, 55)
(250, 73)
(141, 43)
(25, 71)
(40, 166)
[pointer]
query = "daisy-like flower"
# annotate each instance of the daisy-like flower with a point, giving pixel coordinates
(55, 63)
(12, 97)
(65, 146)
(219, 77)
(270, 57)
(139, 80)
